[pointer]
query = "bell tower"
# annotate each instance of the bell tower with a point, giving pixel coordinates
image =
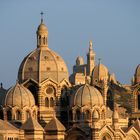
(90, 59)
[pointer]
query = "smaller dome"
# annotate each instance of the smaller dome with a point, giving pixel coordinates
(19, 96)
(100, 72)
(137, 74)
(79, 61)
(87, 95)
(42, 27)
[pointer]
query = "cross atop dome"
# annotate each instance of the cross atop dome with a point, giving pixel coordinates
(41, 16)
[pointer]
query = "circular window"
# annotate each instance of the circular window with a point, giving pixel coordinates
(50, 90)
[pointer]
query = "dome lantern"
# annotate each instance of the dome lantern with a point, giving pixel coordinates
(42, 34)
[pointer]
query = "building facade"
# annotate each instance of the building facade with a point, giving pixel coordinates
(47, 104)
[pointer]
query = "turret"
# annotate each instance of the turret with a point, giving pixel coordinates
(42, 35)
(90, 59)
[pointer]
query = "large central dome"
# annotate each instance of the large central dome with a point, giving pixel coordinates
(42, 63)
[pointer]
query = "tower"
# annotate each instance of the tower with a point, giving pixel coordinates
(90, 59)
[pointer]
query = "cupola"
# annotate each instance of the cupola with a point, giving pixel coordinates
(42, 35)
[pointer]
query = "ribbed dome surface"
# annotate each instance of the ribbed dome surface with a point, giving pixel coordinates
(19, 96)
(99, 72)
(87, 95)
(42, 64)
(42, 28)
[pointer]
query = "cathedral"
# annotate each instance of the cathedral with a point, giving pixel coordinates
(47, 103)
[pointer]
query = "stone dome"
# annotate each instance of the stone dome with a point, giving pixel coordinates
(79, 60)
(19, 96)
(87, 95)
(42, 64)
(100, 72)
(137, 74)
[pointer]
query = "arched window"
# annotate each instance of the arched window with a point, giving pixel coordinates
(51, 102)
(18, 115)
(70, 115)
(27, 114)
(77, 115)
(34, 114)
(39, 40)
(139, 101)
(44, 40)
(47, 102)
(1, 114)
(87, 115)
(34, 91)
(9, 115)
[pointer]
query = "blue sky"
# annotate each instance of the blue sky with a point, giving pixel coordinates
(113, 25)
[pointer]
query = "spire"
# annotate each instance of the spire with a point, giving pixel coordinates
(85, 73)
(90, 59)
(90, 45)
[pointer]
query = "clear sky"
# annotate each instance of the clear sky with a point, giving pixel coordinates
(113, 25)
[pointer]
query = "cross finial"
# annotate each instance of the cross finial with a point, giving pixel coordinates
(41, 16)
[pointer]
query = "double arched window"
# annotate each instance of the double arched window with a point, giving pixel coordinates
(49, 102)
